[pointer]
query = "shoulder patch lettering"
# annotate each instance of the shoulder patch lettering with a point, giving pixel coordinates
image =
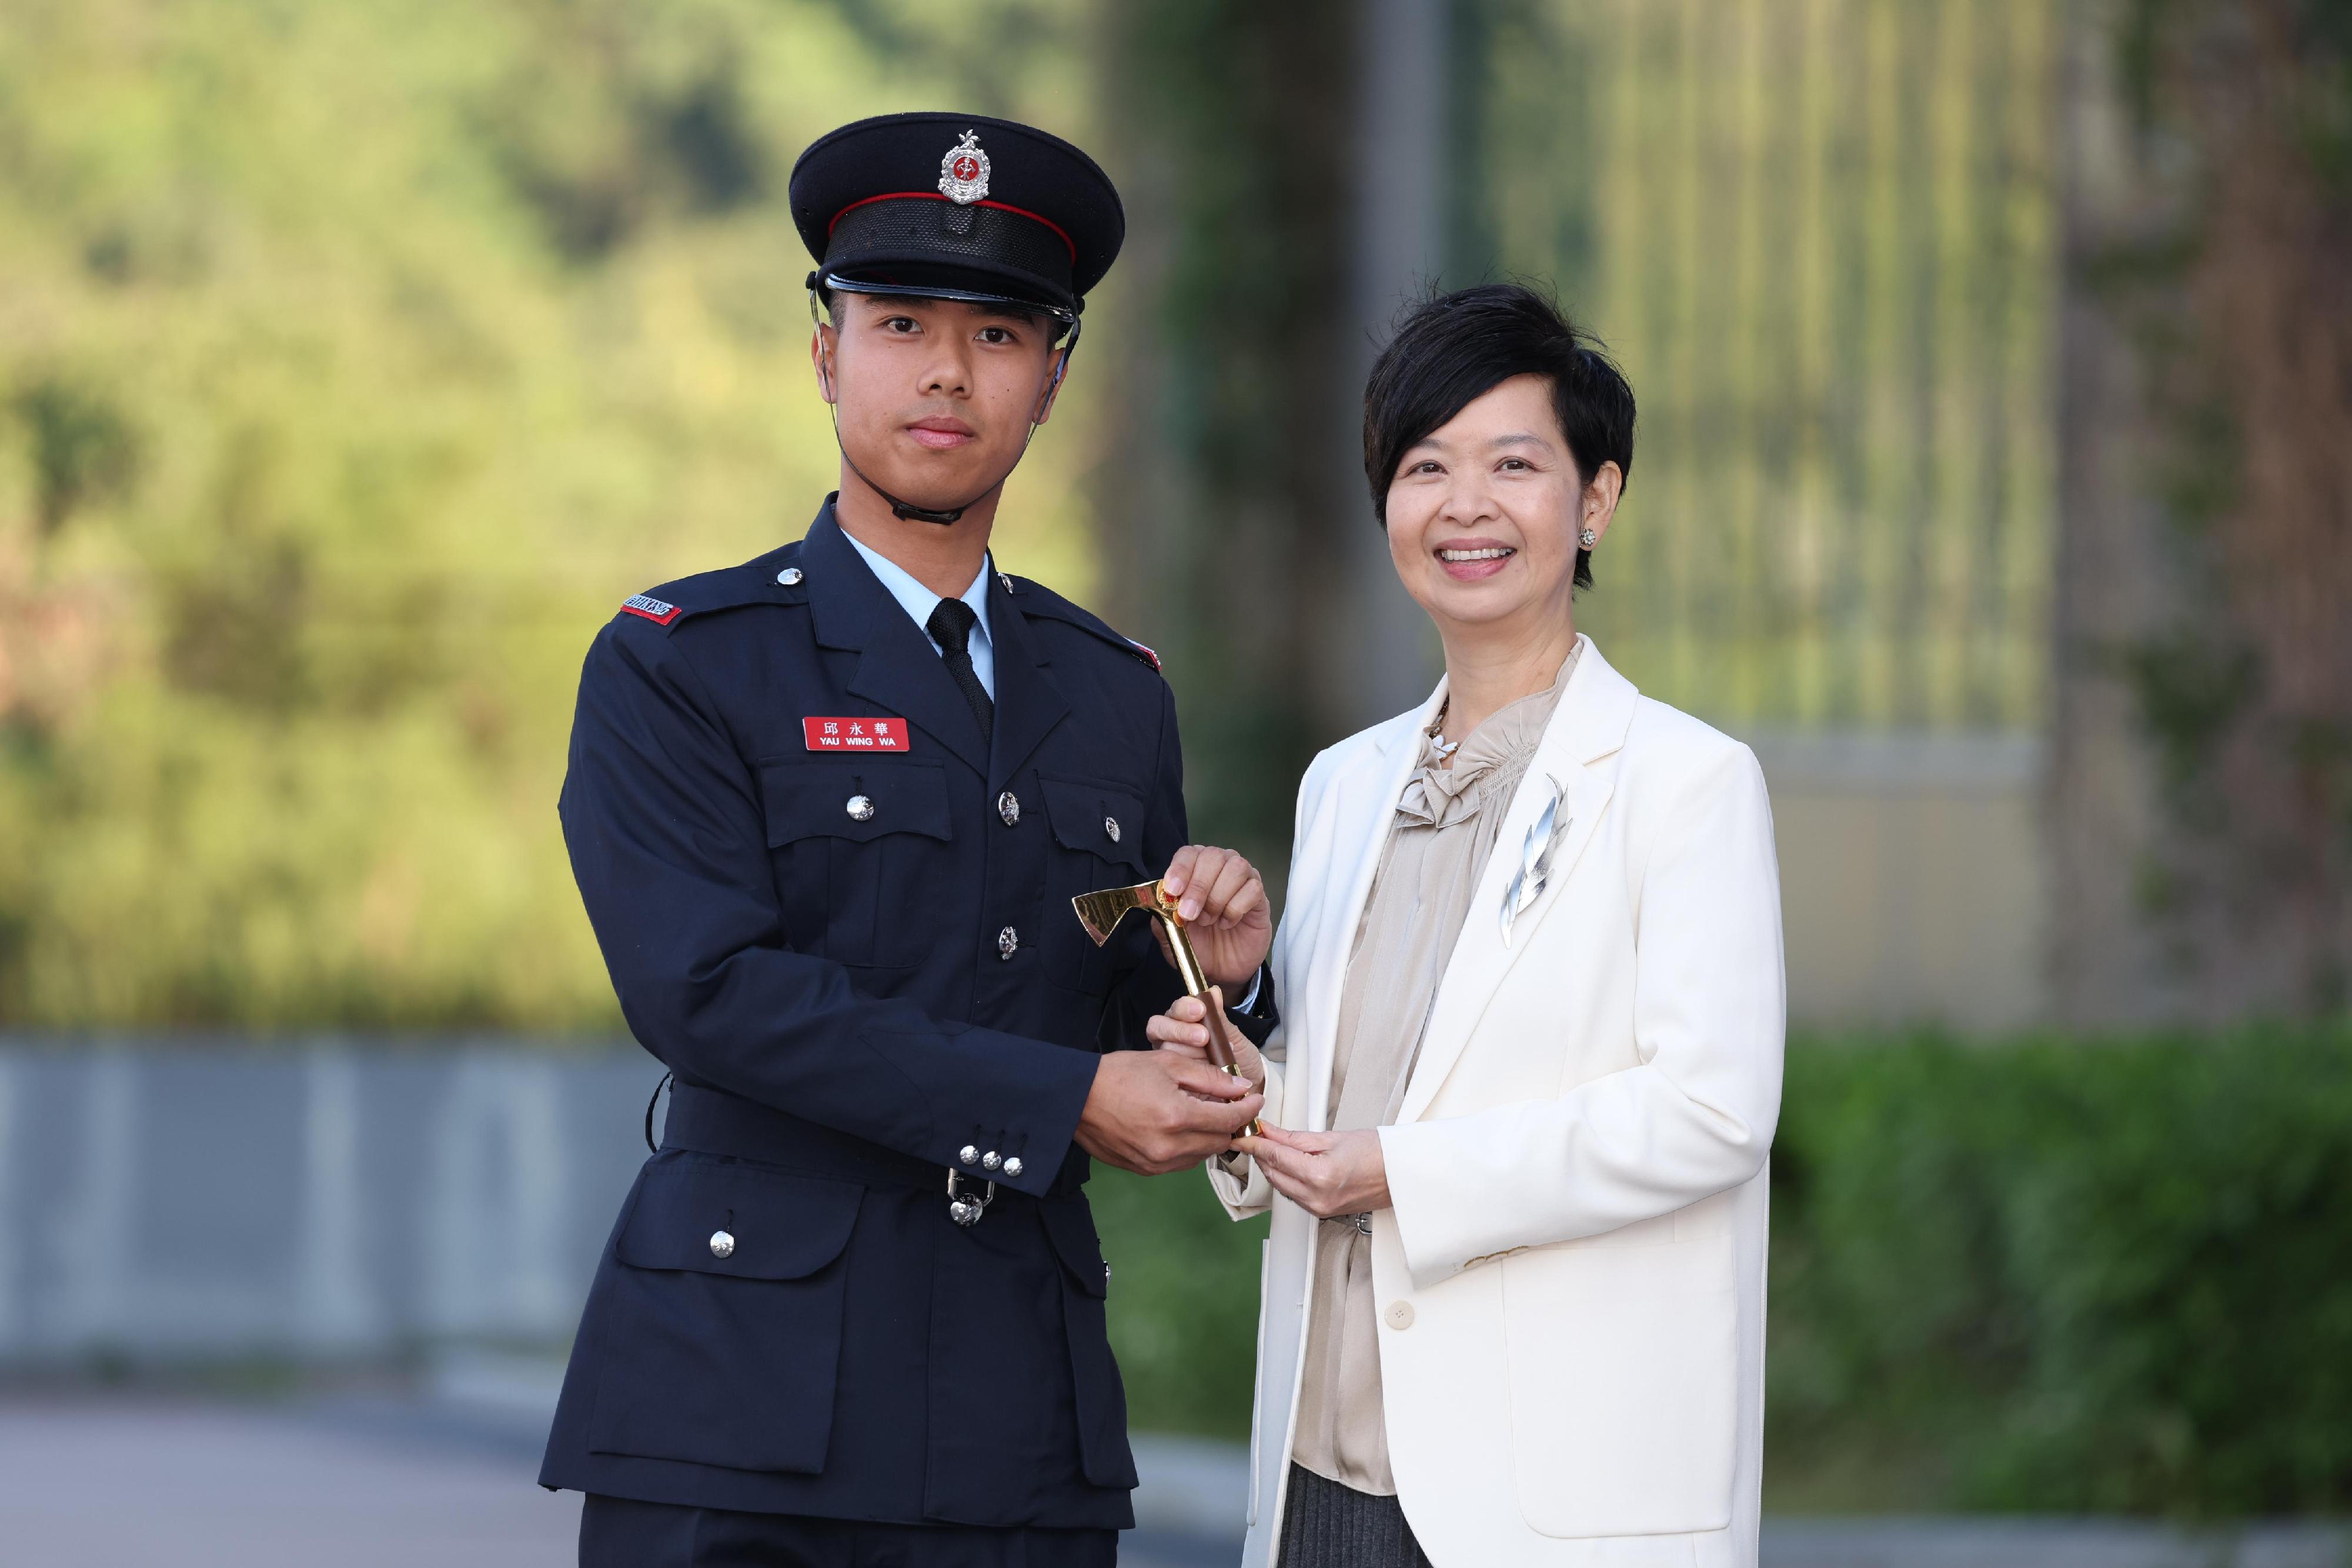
(1145, 652)
(658, 612)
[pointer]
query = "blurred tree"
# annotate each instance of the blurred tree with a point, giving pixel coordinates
(2201, 793)
(1220, 521)
(355, 361)
(82, 449)
(1284, 171)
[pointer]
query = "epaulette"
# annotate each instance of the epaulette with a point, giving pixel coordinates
(772, 578)
(1038, 600)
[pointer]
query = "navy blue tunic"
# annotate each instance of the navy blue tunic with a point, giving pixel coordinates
(857, 963)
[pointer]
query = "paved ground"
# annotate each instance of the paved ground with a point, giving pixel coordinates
(352, 1482)
(383, 1482)
(2045, 1543)
(127, 1486)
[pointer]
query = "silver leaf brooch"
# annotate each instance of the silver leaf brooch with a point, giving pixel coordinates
(1535, 858)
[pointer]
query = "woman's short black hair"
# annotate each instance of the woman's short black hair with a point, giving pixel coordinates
(1450, 349)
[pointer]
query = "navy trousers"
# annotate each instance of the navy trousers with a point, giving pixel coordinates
(616, 1532)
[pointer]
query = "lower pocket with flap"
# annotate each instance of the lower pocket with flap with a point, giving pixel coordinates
(719, 1322)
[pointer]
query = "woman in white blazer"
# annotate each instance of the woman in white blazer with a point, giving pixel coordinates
(1529, 973)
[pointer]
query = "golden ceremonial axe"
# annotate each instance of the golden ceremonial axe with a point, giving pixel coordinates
(1100, 913)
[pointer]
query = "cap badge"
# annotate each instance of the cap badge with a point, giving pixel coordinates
(963, 173)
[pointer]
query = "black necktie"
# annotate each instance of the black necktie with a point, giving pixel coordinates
(950, 627)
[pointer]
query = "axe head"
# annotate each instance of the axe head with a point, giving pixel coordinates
(1100, 912)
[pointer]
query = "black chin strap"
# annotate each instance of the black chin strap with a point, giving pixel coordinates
(907, 509)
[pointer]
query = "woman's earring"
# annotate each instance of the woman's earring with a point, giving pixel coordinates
(1588, 539)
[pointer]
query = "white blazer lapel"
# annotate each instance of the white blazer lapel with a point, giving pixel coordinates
(1364, 802)
(1579, 749)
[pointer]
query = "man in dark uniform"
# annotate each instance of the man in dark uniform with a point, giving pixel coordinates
(827, 811)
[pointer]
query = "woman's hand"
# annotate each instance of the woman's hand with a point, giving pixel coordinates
(1184, 1029)
(1221, 898)
(1323, 1173)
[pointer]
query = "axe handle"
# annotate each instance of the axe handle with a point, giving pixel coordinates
(1221, 1051)
(1196, 983)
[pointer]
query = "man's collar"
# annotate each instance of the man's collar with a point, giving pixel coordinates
(918, 599)
(899, 666)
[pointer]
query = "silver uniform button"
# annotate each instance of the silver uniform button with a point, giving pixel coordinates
(968, 1154)
(1008, 806)
(1008, 942)
(860, 808)
(1013, 1168)
(722, 1244)
(791, 576)
(1110, 826)
(989, 1161)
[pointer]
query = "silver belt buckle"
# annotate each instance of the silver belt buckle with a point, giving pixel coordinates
(965, 1208)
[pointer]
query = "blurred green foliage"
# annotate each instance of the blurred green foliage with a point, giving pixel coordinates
(2070, 1277)
(356, 359)
(2044, 1276)
(1184, 1301)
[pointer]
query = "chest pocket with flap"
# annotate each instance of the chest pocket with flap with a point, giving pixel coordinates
(850, 839)
(1098, 843)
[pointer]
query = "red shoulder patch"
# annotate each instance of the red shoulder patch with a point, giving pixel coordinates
(654, 610)
(1145, 652)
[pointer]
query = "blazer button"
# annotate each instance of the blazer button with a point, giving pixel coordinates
(989, 1161)
(1400, 1315)
(1008, 942)
(1013, 1168)
(860, 808)
(969, 1154)
(722, 1244)
(790, 577)
(1008, 806)
(1110, 826)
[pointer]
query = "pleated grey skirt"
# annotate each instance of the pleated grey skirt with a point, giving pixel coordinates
(1327, 1525)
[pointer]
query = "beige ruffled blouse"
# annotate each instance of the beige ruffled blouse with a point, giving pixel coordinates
(1445, 828)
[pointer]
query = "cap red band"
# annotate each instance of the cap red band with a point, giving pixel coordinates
(935, 196)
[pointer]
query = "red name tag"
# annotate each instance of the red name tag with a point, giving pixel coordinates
(884, 734)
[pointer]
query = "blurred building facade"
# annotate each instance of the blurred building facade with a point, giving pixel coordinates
(1819, 237)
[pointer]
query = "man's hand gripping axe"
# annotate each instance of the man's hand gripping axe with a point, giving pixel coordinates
(1100, 913)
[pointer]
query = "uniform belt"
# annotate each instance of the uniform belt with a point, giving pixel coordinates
(713, 1121)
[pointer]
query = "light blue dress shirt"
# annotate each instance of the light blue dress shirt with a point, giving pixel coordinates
(919, 602)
